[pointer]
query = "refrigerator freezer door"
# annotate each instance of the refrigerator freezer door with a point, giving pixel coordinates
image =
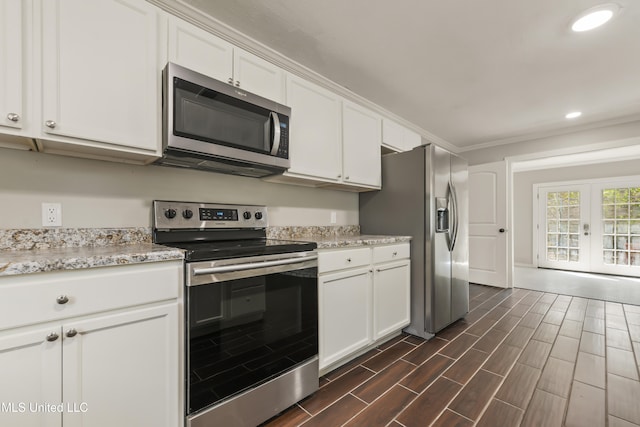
(441, 308)
(460, 253)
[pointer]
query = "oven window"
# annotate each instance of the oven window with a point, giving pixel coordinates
(245, 332)
(210, 116)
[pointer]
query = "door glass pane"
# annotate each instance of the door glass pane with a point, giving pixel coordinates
(563, 225)
(621, 226)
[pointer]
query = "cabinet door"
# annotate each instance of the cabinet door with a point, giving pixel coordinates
(345, 314)
(361, 130)
(258, 76)
(31, 375)
(11, 114)
(124, 368)
(100, 71)
(200, 51)
(391, 289)
(392, 135)
(314, 137)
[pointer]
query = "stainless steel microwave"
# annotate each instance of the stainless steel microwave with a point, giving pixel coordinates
(212, 125)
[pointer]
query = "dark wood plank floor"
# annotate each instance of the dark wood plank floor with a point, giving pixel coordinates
(519, 358)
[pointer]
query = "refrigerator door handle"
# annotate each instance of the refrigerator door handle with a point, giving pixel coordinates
(454, 205)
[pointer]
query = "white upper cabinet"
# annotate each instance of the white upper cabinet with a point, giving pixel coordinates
(258, 76)
(11, 88)
(201, 51)
(14, 123)
(315, 134)
(360, 145)
(397, 137)
(101, 73)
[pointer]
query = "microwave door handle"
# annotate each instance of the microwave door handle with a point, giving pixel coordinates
(275, 144)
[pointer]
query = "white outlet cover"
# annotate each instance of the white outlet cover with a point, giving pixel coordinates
(51, 215)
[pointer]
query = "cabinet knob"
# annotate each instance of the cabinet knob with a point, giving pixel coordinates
(395, 254)
(348, 259)
(71, 333)
(230, 81)
(339, 176)
(237, 83)
(62, 299)
(52, 337)
(50, 124)
(13, 117)
(346, 177)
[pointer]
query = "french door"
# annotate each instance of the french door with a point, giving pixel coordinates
(564, 240)
(590, 227)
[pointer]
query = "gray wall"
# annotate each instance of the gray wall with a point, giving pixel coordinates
(96, 193)
(523, 196)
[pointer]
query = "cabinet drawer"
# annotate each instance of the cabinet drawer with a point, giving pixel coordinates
(390, 253)
(341, 259)
(31, 299)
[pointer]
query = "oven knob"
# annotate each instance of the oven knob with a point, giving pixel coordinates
(246, 215)
(258, 215)
(187, 213)
(170, 213)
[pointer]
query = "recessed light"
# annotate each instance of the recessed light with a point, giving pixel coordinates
(573, 115)
(594, 17)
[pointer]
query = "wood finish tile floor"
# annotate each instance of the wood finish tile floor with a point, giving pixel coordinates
(519, 358)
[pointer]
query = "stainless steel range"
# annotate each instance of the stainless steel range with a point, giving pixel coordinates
(251, 312)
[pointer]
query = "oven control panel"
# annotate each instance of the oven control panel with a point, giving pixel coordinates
(192, 215)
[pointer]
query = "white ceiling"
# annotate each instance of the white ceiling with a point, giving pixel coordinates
(470, 72)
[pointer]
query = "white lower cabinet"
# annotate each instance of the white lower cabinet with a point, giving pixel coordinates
(114, 368)
(391, 298)
(363, 299)
(346, 314)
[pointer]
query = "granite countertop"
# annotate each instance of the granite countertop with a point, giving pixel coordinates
(358, 240)
(75, 258)
(24, 251)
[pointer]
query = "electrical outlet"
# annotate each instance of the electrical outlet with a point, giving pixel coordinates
(51, 214)
(333, 217)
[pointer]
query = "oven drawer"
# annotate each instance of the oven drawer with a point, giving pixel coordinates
(390, 253)
(36, 298)
(343, 258)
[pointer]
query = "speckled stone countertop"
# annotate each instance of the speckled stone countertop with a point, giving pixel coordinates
(328, 237)
(27, 251)
(359, 240)
(24, 251)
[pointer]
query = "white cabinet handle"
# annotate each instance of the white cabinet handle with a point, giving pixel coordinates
(13, 117)
(50, 124)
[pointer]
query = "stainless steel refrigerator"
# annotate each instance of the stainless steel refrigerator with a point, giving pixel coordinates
(425, 195)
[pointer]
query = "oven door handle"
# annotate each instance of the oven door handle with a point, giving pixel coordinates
(251, 266)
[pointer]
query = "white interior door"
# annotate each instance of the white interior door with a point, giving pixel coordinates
(487, 224)
(564, 233)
